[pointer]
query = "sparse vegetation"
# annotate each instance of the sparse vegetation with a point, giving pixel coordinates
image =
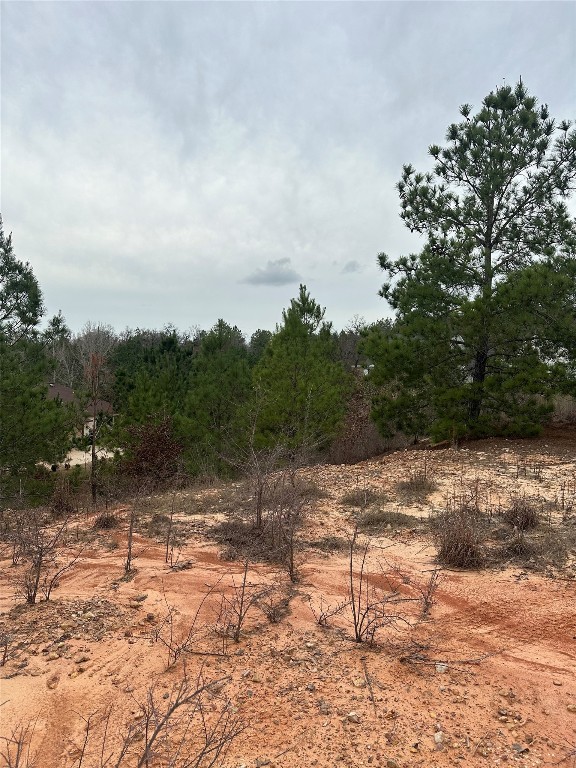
(418, 486)
(106, 521)
(522, 514)
(381, 518)
(363, 498)
(459, 534)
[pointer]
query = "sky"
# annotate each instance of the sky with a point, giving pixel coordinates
(180, 162)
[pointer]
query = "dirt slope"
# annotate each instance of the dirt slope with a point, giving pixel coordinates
(487, 678)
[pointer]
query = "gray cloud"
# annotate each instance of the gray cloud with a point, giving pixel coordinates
(277, 272)
(154, 154)
(351, 266)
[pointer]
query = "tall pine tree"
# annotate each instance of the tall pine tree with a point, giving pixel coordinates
(301, 385)
(485, 330)
(32, 427)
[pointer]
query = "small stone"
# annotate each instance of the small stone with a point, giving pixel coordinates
(519, 748)
(441, 668)
(52, 656)
(260, 761)
(392, 764)
(52, 682)
(571, 708)
(353, 717)
(80, 658)
(557, 682)
(439, 737)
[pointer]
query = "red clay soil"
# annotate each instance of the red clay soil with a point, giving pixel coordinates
(488, 677)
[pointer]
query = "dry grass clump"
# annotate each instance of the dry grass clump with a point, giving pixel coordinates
(418, 486)
(373, 518)
(522, 514)
(458, 535)
(328, 543)
(554, 549)
(106, 521)
(519, 547)
(158, 524)
(550, 550)
(362, 497)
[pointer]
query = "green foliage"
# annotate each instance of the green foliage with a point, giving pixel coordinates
(485, 331)
(32, 428)
(152, 370)
(219, 386)
(258, 343)
(300, 385)
(20, 296)
(200, 384)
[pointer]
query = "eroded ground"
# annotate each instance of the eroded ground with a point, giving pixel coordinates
(487, 677)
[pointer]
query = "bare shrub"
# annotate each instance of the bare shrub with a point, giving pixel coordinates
(38, 542)
(374, 607)
(158, 525)
(17, 751)
(323, 611)
(553, 549)
(180, 640)
(458, 535)
(275, 604)
(522, 514)
(275, 540)
(192, 726)
(329, 543)
(236, 606)
(62, 502)
(6, 650)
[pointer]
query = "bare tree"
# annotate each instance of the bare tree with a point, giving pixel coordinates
(94, 345)
(39, 541)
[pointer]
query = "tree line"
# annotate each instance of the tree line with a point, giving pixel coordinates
(482, 338)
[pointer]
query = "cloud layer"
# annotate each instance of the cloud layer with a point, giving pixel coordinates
(180, 162)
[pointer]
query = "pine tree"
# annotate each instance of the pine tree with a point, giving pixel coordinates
(218, 387)
(32, 427)
(20, 296)
(300, 383)
(484, 329)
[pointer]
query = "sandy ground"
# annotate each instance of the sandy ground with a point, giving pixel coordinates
(488, 677)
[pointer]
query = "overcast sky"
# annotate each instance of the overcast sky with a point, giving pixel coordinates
(178, 162)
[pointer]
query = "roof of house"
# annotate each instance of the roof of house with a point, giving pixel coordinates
(67, 395)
